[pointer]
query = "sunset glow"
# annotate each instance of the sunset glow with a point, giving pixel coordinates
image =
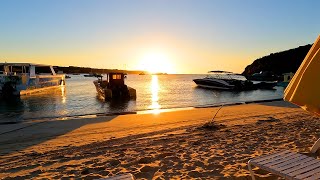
(184, 37)
(159, 89)
(156, 62)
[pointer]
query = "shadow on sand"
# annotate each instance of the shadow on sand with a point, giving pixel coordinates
(17, 137)
(278, 103)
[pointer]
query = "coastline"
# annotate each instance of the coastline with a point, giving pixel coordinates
(164, 144)
(142, 111)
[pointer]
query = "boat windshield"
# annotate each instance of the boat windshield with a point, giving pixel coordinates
(13, 70)
(20, 69)
(227, 76)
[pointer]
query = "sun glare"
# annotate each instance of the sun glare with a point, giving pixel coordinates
(155, 106)
(156, 62)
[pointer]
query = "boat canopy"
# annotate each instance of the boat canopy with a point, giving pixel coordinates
(226, 75)
(224, 72)
(23, 68)
(22, 64)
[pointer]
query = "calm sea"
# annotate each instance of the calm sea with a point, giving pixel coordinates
(79, 97)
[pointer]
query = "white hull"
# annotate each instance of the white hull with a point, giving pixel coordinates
(214, 83)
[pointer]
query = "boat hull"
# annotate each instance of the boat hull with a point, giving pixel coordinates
(105, 93)
(213, 84)
(237, 85)
(230, 81)
(23, 85)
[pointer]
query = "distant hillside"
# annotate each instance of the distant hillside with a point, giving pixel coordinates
(75, 69)
(280, 62)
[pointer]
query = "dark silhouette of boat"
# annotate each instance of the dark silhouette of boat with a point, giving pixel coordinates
(113, 87)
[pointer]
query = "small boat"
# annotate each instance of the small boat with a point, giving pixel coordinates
(224, 80)
(92, 75)
(89, 75)
(68, 77)
(26, 78)
(113, 87)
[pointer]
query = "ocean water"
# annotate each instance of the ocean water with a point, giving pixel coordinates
(154, 92)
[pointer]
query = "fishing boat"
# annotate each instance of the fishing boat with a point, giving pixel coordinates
(89, 75)
(113, 87)
(26, 78)
(224, 80)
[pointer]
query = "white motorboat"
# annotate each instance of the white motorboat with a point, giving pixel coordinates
(26, 78)
(223, 80)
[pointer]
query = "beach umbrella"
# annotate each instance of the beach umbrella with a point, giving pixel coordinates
(304, 88)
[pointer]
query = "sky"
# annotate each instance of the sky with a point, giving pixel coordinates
(173, 36)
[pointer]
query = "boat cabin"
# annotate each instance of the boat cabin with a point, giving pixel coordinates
(113, 80)
(116, 79)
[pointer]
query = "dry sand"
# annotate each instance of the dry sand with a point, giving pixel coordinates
(168, 145)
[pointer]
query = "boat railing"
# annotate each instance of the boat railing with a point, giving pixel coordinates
(237, 77)
(230, 76)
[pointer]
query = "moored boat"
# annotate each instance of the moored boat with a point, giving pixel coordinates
(223, 80)
(89, 75)
(113, 87)
(92, 75)
(26, 78)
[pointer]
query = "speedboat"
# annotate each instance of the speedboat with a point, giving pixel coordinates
(224, 80)
(26, 78)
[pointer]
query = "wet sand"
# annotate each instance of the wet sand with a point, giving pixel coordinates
(168, 145)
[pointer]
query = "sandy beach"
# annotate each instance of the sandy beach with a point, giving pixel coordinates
(166, 145)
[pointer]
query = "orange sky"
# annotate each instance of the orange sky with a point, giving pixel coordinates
(167, 36)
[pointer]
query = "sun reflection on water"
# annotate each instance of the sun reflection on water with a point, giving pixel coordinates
(155, 106)
(63, 94)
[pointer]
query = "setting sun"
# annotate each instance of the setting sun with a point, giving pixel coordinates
(156, 62)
